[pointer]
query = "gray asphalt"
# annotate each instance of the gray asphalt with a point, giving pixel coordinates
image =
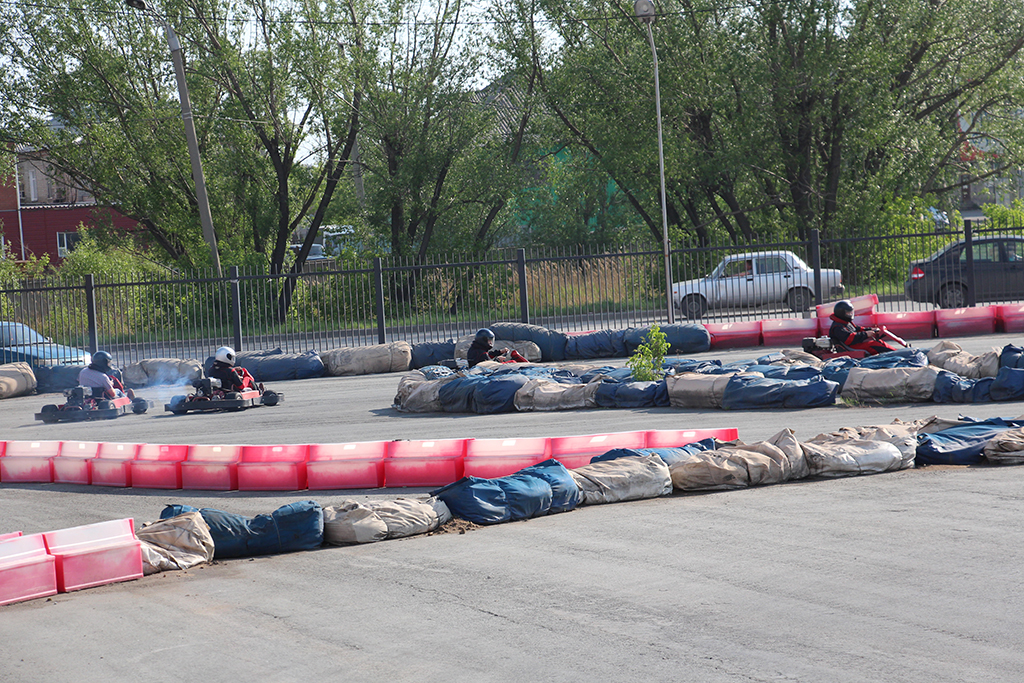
(911, 576)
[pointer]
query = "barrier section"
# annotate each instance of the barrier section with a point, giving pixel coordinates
(824, 324)
(862, 305)
(158, 466)
(787, 331)
(957, 322)
(27, 571)
(273, 468)
(908, 324)
(576, 451)
(424, 463)
(9, 536)
(74, 463)
(354, 465)
(671, 438)
(95, 554)
(490, 458)
(29, 462)
(1010, 318)
(113, 464)
(211, 468)
(734, 335)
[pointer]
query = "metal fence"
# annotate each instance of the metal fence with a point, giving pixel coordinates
(573, 290)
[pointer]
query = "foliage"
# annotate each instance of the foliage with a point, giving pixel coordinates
(646, 361)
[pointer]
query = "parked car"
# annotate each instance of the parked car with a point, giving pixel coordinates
(20, 343)
(942, 278)
(316, 252)
(754, 279)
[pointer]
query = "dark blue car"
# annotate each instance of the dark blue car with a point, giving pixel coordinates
(20, 343)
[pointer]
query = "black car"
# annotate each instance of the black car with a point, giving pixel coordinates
(942, 278)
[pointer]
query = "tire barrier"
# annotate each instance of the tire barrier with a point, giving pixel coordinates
(17, 379)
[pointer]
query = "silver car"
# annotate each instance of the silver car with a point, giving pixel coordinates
(755, 278)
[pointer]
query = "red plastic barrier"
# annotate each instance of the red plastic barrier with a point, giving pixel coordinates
(355, 465)
(158, 466)
(734, 335)
(273, 468)
(957, 322)
(29, 461)
(863, 320)
(909, 324)
(424, 463)
(27, 571)
(862, 305)
(670, 438)
(491, 458)
(95, 554)
(9, 536)
(787, 331)
(113, 464)
(576, 451)
(74, 463)
(213, 468)
(1010, 318)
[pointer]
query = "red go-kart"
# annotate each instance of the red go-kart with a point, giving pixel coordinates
(826, 349)
(83, 404)
(210, 395)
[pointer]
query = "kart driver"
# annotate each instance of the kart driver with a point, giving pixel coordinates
(482, 349)
(231, 378)
(99, 375)
(844, 332)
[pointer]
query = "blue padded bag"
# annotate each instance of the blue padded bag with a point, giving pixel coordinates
(600, 344)
(565, 494)
(481, 501)
(1011, 357)
(747, 392)
(1008, 385)
(292, 527)
(498, 393)
(962, 444)
(669, 456)
(526, 495)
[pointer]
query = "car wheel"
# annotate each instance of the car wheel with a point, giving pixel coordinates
(952, 296)
(694, 306)
(49, 413)
(800, 299)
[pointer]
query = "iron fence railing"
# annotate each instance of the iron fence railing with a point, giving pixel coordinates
(332, 305)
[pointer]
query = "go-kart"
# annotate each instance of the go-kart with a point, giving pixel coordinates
(82, 404)
(826, 349)
(209, 395)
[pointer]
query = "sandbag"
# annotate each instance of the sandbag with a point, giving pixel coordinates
(431, 353)
(963, 444)
(292, 527)
(843, 457)
(1006, 448)
(353, 522)
(613, 481)
(551, 343)
(952, 388)
(696, 390)
(950, 356)
(17, 379)
(1011, 357)
(669, 456)
(368, 360)
(56, 378)
(565, 494)
(498, 393)
(902, 436)
(600, 344)
(275, 365)
(493, 501)
(890, 384)
(152, 371)
(631, 394)
(416, 394)
(746, 391)
(177, 542)
(681, 338)
(738, 465)
(543, 394)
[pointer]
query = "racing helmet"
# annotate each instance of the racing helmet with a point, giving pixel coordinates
(226, 355)
(101, 360)
(484, 336)
(844, 310)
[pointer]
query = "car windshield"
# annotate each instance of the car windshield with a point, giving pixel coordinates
(16, 334)
(316, 250)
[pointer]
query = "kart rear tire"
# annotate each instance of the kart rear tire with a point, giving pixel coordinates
(103, 405)
(50, 413)
(270, 398)
(178, 405)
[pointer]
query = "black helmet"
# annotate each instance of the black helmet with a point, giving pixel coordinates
(101, 360)
(484, 335)
(844, 311)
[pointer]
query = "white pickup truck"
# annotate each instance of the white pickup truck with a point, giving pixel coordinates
(755, 278)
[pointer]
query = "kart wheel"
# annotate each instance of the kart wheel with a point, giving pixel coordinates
(232, 396)
(139, 406)
(694, 306)
(800, 299)
(103, 405)
(270, 398)
(178, 405)
(50, 413)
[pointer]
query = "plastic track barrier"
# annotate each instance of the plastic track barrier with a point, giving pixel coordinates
(95, 554)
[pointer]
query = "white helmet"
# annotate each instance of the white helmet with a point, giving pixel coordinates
(226, 354)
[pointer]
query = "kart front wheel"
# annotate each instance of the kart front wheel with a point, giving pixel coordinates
(140, 406)
(270, 398)
(49, 413)
(178, 405)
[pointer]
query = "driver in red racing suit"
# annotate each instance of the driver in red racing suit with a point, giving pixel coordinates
(231, 378)
(844, 332)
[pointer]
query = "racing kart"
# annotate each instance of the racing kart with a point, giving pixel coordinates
(209, 395)
(82, 404)
(826, 349)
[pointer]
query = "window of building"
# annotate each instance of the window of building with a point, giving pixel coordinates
(33, 191)
(66, 242)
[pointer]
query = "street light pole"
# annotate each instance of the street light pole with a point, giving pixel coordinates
(190, 131)
(644, 10)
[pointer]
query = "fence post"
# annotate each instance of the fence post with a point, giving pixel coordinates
(816, 264)
(969, 246)
(524, 302)
(378, 286)
(236, 306)
(90, 312)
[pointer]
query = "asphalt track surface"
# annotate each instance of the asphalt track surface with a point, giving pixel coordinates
(910, 576)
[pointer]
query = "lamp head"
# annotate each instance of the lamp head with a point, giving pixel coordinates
(644, 10)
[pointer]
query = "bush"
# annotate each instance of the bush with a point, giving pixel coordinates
(647, 359)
